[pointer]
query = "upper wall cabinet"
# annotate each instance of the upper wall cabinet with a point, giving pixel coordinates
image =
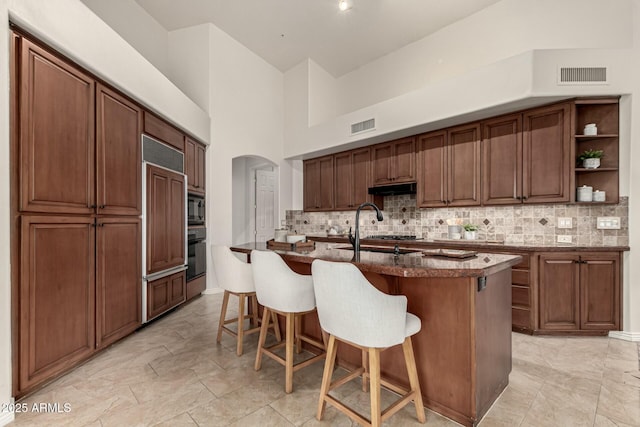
(547, 162)
(163, 131)
(318, 184)
(502, 160)
(56, 150)
(351, 172)
(449, 167)
(194, 164)
(118, 159)
(393, 162)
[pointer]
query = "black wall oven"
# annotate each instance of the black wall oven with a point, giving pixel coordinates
(196, 252)
(195, 209)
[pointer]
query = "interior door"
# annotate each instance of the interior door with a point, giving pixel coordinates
(265, 205)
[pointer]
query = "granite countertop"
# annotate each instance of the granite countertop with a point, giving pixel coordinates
(412, 264)
(480, 244)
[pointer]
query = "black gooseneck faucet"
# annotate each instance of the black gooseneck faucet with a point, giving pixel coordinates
(355, 240)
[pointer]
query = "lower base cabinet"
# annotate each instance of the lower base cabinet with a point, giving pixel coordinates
(165, 293)
(196, 286)
(579, 292)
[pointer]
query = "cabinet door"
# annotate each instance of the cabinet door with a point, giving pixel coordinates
(56, 135)
(57, 285)
(382, 164)
(502, 160)
(194, 165)
(318, 184)
(547, 162)
(559, 285)
(118, 278)
(404, 164)
(432, 160)
(165, 219)
(165, 293)
(360, 178)
(118, 146)
(163, 131)
(343, 173)
(463, 177)
(600, 292)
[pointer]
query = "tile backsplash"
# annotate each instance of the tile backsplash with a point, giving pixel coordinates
(525, 224)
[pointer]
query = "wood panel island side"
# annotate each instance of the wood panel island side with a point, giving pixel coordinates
(463, 350)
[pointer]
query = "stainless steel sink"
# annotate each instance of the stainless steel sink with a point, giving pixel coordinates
(385, 250)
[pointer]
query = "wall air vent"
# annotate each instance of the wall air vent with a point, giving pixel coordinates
(582, 76)
(363, 126)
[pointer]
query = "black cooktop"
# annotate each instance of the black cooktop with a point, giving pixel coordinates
(391, 237)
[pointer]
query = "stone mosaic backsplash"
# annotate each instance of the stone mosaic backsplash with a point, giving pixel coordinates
(525, 224)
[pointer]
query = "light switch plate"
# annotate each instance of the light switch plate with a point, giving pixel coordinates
(565, 222)
(608, 223)
(563, 238)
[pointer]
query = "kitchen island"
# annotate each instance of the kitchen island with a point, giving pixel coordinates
(463, 351)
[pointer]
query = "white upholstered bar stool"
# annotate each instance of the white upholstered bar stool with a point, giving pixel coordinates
(236, 278)
(281, 290)
(353, 311)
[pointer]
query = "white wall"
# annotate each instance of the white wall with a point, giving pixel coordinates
(136, 26)
(322, 90)
(504, 29)
(188, 62)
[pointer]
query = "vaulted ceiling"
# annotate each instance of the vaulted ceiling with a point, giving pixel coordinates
(285, 32)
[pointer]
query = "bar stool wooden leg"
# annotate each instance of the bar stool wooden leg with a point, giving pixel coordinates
(409, 358)
(241, 299)
(223, 314)
(289, 333)
(374, 388)
(276, 325)
(298, 332)
(263, 338)
(329, 365)
(254, 310)
(365, 374)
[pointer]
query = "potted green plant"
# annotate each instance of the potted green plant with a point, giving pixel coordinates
(470, 231)
(591, 158)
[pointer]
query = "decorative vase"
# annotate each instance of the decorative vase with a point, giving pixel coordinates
(591, 163)
(470, 235)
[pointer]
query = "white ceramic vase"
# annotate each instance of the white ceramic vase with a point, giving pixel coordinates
(591, 163)
(470, 235)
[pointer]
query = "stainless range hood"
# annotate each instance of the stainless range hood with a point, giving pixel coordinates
(394, 189)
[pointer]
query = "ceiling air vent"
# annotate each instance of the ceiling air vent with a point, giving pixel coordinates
(582, 76)
(363, 126)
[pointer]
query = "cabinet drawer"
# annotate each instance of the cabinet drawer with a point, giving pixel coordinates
(196, 286)
(524, 264)
(520, 277)
(520, 296)
(520, 317)
(163, 131)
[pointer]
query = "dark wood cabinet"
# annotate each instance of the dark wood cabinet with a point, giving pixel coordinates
(194, 156)
(351, 177)
(502, 160)
(318, 184)
(547, 163)
(163, 131)
(165, 219)
(57, 324)
(449, 167)
(165, 293)
(393, 162)
(118, 278)
(118, 157)
(56, 103)
(579, 291)
(196, 286)
(603, 112)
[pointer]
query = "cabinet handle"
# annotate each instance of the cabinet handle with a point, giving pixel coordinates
(102, 206)
(524, 197)
(92, 206)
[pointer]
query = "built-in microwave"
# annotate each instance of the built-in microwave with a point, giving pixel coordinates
(195, 209)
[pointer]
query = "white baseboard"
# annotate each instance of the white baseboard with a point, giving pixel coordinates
(6, 418)
(213, 291)
(627, 336)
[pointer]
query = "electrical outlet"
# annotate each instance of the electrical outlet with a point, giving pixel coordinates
(565, 222)
(608, 223)
(564, 238)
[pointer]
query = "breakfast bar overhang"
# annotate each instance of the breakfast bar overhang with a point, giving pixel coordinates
(463, 351)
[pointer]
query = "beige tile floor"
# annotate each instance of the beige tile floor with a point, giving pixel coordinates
(172, 373)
